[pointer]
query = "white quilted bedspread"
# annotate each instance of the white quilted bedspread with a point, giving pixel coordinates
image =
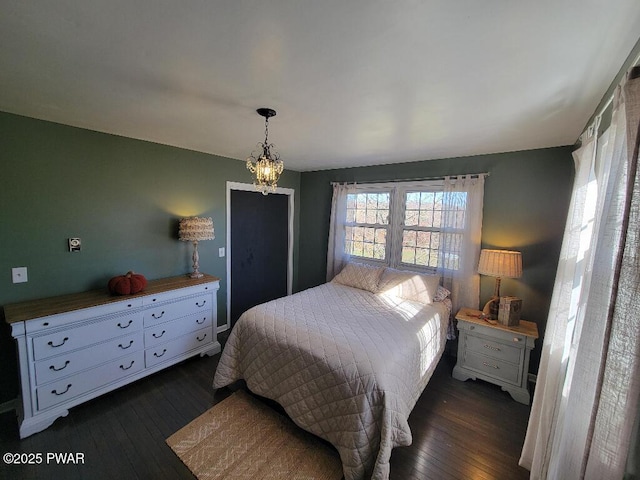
(346, 365)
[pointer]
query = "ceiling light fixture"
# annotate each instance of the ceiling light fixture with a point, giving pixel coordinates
(266, 165)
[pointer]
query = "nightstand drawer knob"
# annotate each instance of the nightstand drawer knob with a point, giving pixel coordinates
(516, 339)
(489, 365)
(492, 348)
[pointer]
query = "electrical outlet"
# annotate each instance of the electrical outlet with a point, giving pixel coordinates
(221, 252)
(19, 275)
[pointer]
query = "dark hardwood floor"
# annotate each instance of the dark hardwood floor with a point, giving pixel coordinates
(461, 430)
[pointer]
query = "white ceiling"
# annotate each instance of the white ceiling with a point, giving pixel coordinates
(354, 82)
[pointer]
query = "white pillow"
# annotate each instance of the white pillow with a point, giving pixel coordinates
(409, 285)
(360, 275)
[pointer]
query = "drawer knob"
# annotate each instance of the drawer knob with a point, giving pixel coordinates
(123, 347)
(155, 354)
(127, 368)
(200, 322)
(490, 347)
(55, 392)
(200, 305)
(201, 339)
(64, 340)
(125, 326)
(51, 367)
(158, 316)
(491, 366)
(516, 339)
(158, 336)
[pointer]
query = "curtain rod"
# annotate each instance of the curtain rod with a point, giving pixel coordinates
(609, 101)
(418, 179)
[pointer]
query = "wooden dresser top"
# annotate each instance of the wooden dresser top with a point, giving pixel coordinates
(530, 329)
(22, 311)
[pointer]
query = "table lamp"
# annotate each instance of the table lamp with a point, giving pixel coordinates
(195, 229)
(498, 263)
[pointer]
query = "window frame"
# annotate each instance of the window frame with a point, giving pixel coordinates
(366, 189)
(396, 227)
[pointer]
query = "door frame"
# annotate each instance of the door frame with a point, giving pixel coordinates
(249, 187)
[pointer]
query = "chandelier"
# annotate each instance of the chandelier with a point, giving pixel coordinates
(265, 164)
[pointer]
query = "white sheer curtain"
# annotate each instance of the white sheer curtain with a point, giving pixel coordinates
(586, 399)
(462, 203)
(336, 256)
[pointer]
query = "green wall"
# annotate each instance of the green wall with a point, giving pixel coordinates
(122, 197)
(525, 206)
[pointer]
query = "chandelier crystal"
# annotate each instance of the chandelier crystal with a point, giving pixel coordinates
(265, 164)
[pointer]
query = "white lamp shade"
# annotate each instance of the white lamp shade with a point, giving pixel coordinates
(195, 229)
(500, 263)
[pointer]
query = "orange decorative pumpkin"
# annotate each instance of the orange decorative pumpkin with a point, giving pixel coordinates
(127, 284)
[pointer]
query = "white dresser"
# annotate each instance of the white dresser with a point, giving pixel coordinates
(76, 347)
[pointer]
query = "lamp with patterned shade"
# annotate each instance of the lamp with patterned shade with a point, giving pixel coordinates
(195, 229)
(498, 263)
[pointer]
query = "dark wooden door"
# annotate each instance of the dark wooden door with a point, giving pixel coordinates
(259, 249)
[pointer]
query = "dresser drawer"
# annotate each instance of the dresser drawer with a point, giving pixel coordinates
(500, 370)
(170, 330)
(55, 368)
(180, 345)
(170, 295)
(45, 346)
(59, 320)
(170, 311)
(64, 390)
(500, 335)
(491, 348)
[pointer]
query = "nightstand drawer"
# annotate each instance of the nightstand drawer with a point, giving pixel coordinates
(493, 349)
(513, 338)
(507, 372)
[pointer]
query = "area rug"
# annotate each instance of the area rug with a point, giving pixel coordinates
(242, 438)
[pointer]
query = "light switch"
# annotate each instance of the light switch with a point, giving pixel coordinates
(221, 252)
(19, 275)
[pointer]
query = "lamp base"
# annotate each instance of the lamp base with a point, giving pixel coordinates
(196, 262)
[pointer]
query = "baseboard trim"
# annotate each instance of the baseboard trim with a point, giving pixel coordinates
(9, 406)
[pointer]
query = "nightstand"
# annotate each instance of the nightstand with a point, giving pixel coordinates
(495, 353)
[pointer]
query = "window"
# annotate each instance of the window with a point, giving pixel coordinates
(367, 225)
(421, 228)
(404, 224)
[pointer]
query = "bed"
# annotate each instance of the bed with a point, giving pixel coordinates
(347, 360)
